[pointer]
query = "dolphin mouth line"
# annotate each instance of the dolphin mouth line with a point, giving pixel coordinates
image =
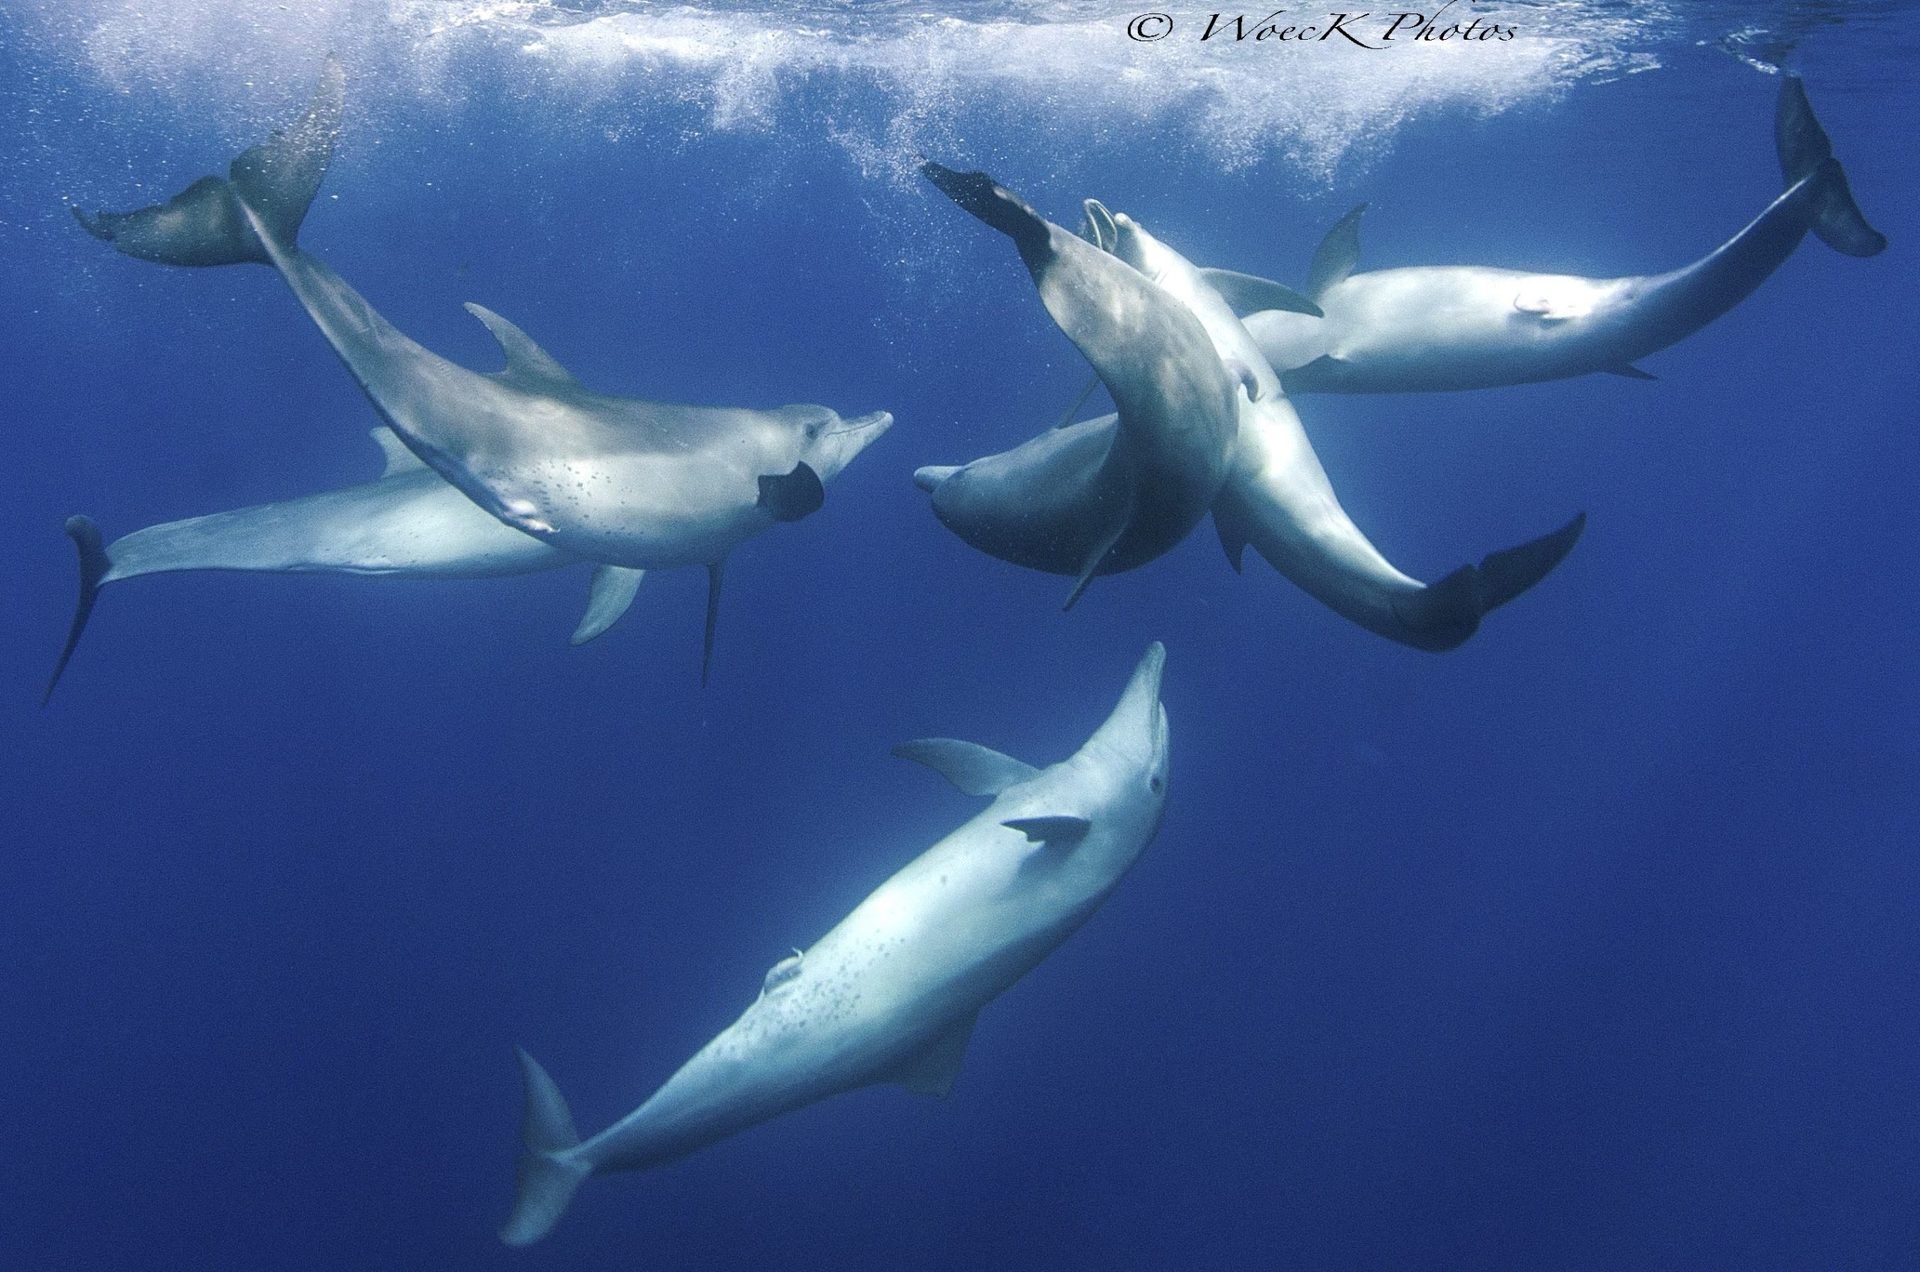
(879, 419)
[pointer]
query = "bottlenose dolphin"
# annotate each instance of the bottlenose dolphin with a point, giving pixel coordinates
(406, 522)
(892, 992)
(1085, 511)
(1278, 497)
(620, 481)
(1433, 328)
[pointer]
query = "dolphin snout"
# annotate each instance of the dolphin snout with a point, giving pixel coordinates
(933, 474)
(1145, 685)
(881, 420)
(1136, 730)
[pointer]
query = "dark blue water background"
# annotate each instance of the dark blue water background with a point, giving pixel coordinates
(1590, 945)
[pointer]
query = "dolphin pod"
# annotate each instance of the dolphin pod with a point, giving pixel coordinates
(1278, 497)
(526, 469)
(892, 993)
(1084, 511)
(1275, 494)
(1435, 328)
(618, 481)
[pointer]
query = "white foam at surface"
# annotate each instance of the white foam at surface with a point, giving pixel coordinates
(1061, 70)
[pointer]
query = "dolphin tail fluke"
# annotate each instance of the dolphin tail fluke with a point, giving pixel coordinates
(1806, 152)
(93, 568)
(206, 224)
(1444, 614)
(549, 1172)
(993, 203)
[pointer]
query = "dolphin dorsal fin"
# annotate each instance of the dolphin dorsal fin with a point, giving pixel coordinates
(933, 1069)
(394, 451)
(975, 769)
(1338, 256)
(526, 361)
(611, 594)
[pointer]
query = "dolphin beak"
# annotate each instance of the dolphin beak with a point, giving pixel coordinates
(933, 474)
(1137, 720)
(839, 446)
(880, 420)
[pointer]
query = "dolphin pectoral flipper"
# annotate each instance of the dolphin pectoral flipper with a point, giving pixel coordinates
(715, 571)
(1337, 256)
(1097, 557)
(93, 569)
(1804, 151)
(1326, 365)
(548, 1178)
(205, 224)
(1234, 536)
(1627, 371)
(1066, 417)
(1444, 614)
(1063, 831)
(1249, 294)
(613, 590)
(934, 1070)
(974, 769)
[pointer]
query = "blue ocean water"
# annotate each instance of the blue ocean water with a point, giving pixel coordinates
(1591, 944)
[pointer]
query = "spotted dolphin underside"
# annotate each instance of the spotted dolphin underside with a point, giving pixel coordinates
(891, 994)
(407, 523)
(1436, 328)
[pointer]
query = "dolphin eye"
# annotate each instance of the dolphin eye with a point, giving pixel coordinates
(1158, 783)
(813, 430)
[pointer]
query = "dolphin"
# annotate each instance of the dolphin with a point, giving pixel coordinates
(1085, 511)
(614, 480)
(1435, 328)
(892, 992)
(1278, 497)
(406, 522)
